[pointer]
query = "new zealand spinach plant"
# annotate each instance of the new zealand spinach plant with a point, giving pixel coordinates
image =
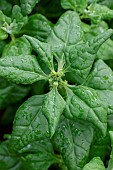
(56, 84)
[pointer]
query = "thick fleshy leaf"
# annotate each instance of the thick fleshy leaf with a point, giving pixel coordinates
(29, 123)
(94, 164)
(107, 96)
(17, 47)
(94, 29)
(83, 103)
(11, 93)
(108, 3)
(97, 41)
(18, 20)
(110, 122)
(67, 44)
(43, 49)
(3, 34)
(77, 5)
(22, 69)
(110, 165)
(38, 26)
(39, 155)
(79, 64)
(27, 6)
(105, 51)
(73, 139)
(4, 21)
(65, 41)
(9, 161)
(81, 57)
(101, 77)
(66, 33)
(100, 147)
(2, 45)
(97, 12)
(53, 107)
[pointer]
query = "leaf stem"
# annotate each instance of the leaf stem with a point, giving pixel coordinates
(61, 164)
(12, 37)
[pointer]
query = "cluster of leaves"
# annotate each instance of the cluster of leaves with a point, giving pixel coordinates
(56, 84)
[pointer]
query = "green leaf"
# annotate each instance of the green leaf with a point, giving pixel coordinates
(38, 26)
(71, 52)
(97, 12)
(96, 42)
(66, 33)
(9, 161)
(83, 103)
(94, 164)
(18, 20)
(93, 30)
(19, 46)
(2, 45)
(14, 24)
(3, 35)
(77, 5)
(108, 3)
(11, 93)
(100, 147)
(27, 6)
(79, 64)
(43, 49)
(29, 124)
(110, 122)
(107, 96)
(101, 77)
(39, 155)
(53, 107)
(4, 21)
(110, 165)
(4, 18)
(73, 139)
(22, 69)
(81, 57)
(106, 50)
(111, 136)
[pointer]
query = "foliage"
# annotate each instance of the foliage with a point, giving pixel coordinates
(56, 84)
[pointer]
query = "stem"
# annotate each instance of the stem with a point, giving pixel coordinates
(63, 167)
(12, 37)
(61, 164)
(61, 63)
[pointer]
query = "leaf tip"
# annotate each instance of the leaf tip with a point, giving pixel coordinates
(99, 40)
